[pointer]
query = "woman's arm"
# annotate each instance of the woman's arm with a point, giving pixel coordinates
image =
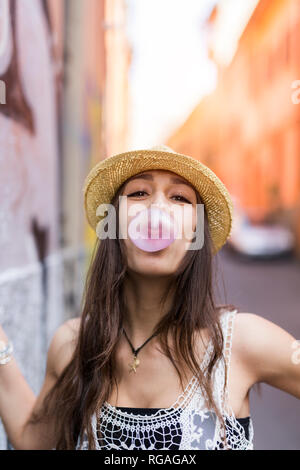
(17, 400)
(270, 353)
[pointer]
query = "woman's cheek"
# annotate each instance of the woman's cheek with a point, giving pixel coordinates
(188, 223)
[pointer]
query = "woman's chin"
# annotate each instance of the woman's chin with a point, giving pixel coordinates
(162, 262)
(153, 264)
(153, 272)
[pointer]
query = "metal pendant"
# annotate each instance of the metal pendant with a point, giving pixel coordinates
(134, 365)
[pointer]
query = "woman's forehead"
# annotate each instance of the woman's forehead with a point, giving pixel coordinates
(152, 174)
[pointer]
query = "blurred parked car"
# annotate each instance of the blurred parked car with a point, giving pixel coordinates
(259, 241)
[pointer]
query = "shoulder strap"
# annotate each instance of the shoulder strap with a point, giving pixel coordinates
(228, 333)
(227, 328)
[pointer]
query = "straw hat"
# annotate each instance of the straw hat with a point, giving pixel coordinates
(107, 176)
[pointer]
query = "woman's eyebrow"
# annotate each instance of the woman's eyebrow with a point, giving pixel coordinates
(145, 176)
(176, 180)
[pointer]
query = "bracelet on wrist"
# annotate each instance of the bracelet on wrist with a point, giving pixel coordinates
(6, 351)
(5, 360)
(5, 348)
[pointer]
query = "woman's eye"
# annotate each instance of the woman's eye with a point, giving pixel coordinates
(136, 193)
(142, 193)
(183, 198)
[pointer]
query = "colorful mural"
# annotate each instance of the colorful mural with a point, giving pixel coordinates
(56, 122)
(29, 231)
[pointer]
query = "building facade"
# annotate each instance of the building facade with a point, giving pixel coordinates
(248, 130)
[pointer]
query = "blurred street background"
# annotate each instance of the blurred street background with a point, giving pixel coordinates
(81, 80)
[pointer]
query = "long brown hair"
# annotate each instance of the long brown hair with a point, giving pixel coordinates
(87, 381)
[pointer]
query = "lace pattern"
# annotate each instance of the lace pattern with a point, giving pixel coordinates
(186, 425)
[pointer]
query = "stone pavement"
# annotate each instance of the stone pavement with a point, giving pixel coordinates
(270, 289)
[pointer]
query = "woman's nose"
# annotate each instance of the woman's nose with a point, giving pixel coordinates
(160, 200)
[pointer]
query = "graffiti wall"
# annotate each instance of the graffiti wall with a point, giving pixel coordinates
(63, 95)
(30, 304)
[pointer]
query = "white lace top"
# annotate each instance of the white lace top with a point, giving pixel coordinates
(187, 424)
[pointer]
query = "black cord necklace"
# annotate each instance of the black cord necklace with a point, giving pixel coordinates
(135, 352)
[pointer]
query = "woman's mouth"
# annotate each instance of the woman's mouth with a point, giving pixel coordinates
(155, 233)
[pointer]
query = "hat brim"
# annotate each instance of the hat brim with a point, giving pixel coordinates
(108, 175)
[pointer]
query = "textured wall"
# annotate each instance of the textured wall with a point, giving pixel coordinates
(31, 264)
(54, 126)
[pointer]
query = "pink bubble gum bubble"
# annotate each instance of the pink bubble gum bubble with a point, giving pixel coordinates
(152, 229)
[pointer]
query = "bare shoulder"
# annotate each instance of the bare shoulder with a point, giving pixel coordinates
(261, 345)
(73, 325)
(256, 331)
(62, 345)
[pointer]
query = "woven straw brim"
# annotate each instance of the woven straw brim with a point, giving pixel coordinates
(108, 175)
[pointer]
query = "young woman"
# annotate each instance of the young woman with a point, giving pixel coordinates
(152, 362)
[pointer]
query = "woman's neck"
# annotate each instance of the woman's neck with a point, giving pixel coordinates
(144, 310)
